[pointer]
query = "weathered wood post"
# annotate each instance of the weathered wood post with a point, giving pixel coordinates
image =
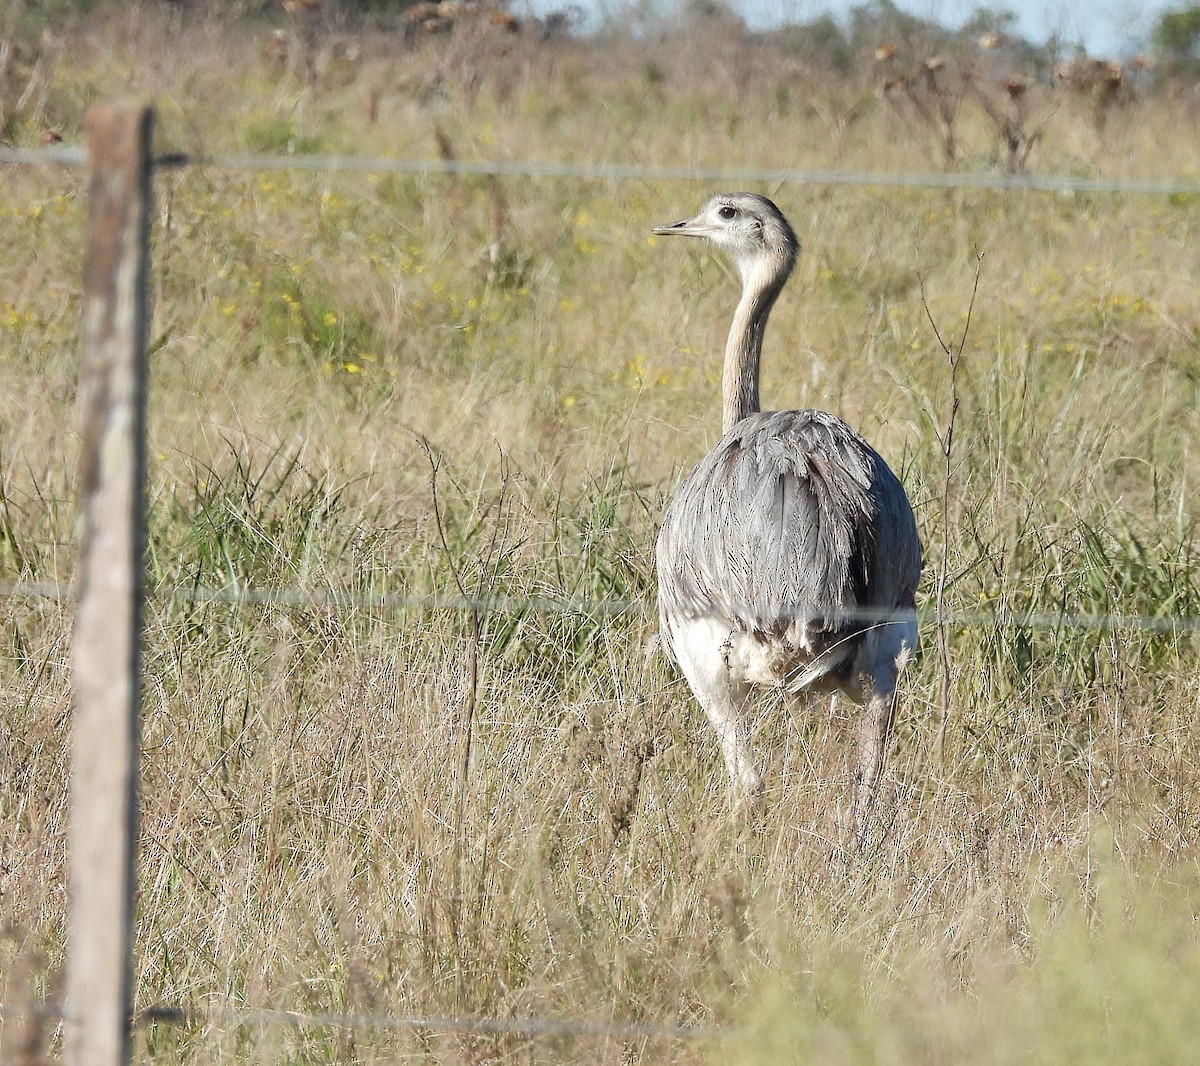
(104, 752)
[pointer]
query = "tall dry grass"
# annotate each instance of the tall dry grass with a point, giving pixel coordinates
(309, 842)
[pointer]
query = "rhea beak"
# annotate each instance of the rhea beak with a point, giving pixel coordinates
(687, 227)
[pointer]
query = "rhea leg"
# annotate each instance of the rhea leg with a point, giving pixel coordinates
(874, 731)
(884, 653)
(724, 711)
(700, 649)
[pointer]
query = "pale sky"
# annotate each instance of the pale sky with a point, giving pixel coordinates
(1104, 27)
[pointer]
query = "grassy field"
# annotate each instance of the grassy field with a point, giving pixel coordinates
(368, 385)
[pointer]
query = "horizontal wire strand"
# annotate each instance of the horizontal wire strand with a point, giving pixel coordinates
(615, 607)
(165, 1014)
(74, 156)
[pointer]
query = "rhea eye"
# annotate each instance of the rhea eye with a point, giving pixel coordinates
(727, 212)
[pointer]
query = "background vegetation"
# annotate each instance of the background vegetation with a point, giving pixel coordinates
(323, 343)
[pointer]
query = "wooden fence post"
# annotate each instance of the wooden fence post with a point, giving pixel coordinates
(104, 753)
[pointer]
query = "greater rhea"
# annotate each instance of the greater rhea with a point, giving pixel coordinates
(789, 556)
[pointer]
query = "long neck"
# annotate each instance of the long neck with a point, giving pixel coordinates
(743, 350)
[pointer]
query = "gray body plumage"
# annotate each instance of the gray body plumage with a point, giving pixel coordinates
(776, 530)
(789, 556)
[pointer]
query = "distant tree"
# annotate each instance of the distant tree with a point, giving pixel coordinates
(985, 21)
(712, 11)
(820, 44)
(881, 21)
(1177, 35)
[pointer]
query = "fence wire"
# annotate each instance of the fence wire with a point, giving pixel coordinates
(333, 599)
(74, 156)
(165, 1014)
